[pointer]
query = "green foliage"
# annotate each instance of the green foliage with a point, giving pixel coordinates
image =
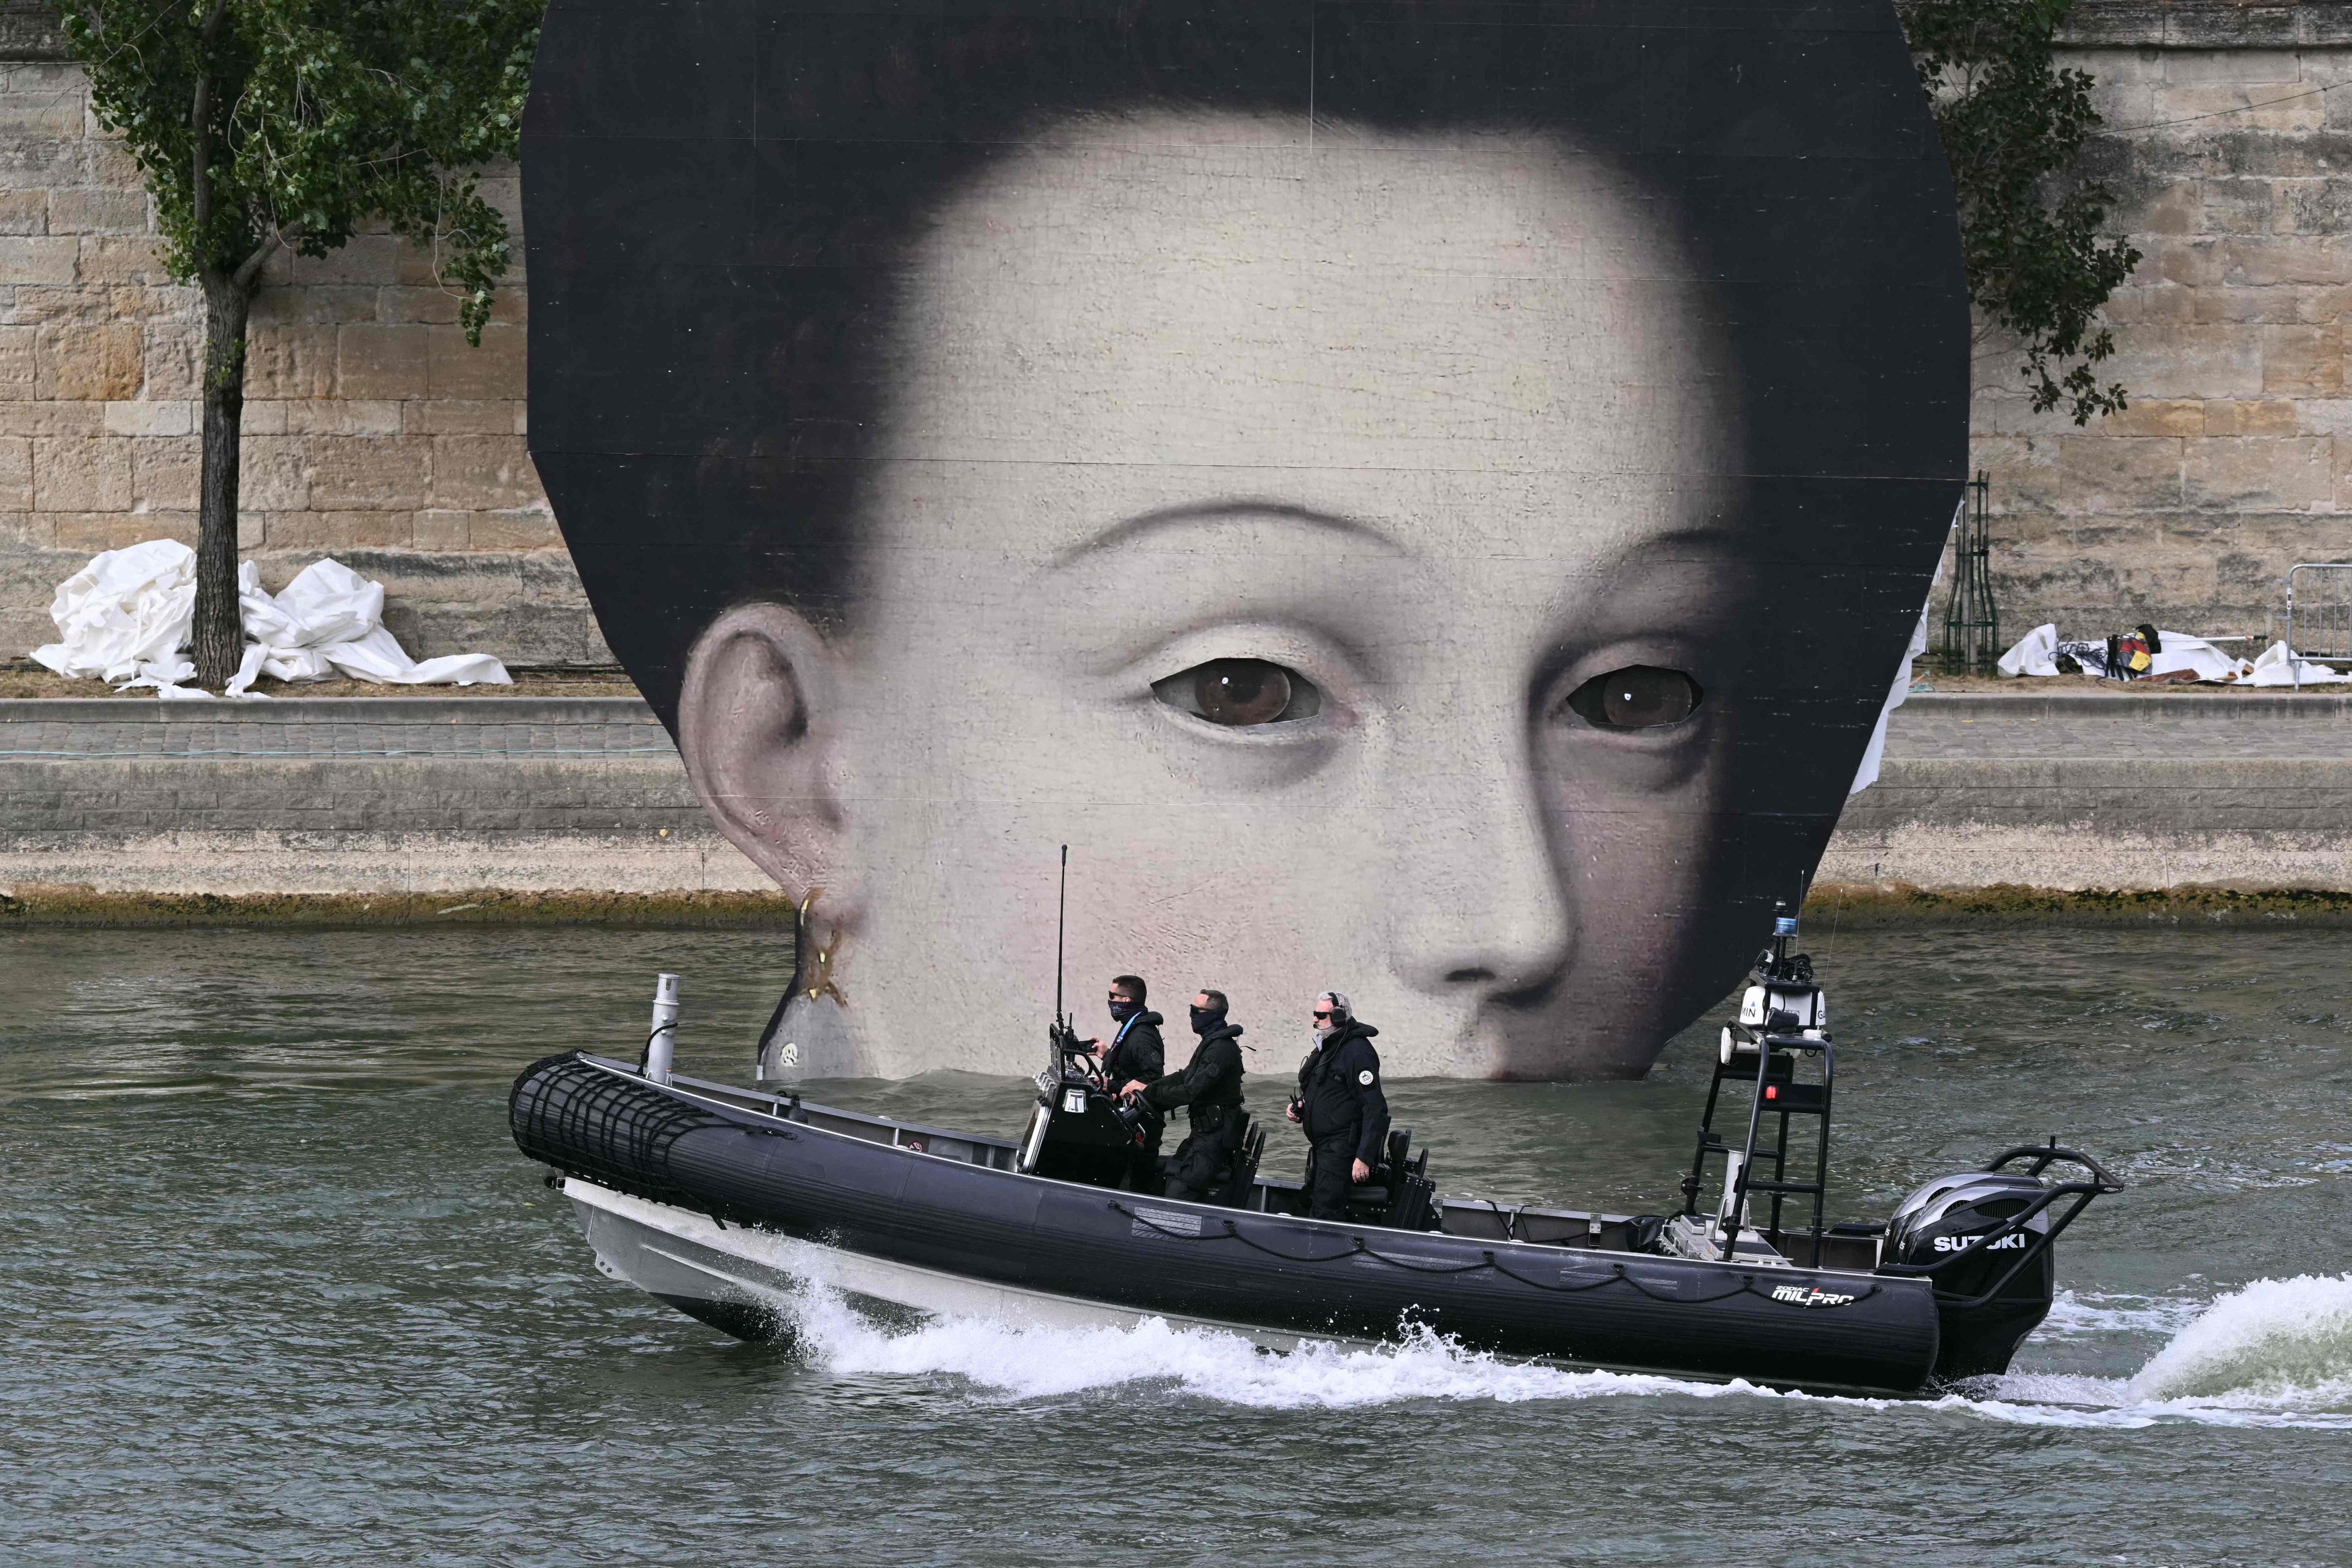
(2013, 126)
(266, 123)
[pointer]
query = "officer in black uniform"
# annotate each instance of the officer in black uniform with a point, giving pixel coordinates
(1135, 1054)
(1210, 1089)
(1340, 1107)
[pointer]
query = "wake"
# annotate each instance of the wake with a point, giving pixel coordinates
(2277, 1353)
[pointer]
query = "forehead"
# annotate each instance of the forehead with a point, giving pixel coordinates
(1169, 294)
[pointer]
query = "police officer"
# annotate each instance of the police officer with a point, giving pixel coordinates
(1135, 1054)
(1340, 1107)
(1210, 1089)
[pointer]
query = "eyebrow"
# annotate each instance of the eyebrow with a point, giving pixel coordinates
(1144, 524)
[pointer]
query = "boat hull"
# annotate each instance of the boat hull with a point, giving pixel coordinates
(749, 1204)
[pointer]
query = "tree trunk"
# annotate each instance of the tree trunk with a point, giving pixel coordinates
(219, 632)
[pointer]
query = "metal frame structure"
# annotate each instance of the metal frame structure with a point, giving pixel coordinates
(2328, 609)
(1971, 619)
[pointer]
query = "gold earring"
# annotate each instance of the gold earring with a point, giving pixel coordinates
(822, 985)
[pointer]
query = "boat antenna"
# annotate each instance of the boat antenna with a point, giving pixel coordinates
(1061, 919)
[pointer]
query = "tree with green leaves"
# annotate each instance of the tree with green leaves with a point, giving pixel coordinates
(2013, 125)
(263, 125)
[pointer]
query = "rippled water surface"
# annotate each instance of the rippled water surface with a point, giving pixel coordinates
(278, 1289)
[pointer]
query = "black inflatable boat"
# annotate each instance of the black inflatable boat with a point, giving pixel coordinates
(724, 1202)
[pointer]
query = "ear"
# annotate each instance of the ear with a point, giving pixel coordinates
(758, 722)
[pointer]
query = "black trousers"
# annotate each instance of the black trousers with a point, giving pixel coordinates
(1330, 1172)
(1201, 1160)
(1143, 1160)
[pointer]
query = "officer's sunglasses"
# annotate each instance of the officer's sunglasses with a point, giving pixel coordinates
(1322, 1012)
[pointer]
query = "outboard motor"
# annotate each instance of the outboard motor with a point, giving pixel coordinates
(1984, 1238)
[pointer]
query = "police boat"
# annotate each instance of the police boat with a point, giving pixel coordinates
(727, 1202)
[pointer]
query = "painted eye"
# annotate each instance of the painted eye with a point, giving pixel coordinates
(1639, 696)
(1241, 693)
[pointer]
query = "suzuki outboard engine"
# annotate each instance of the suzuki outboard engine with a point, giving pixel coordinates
(1993, 1281)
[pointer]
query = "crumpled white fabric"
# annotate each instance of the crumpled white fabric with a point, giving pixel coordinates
(126, 609)
(126, 616)
(2275, 667)
(330, 619)
(2036, 654)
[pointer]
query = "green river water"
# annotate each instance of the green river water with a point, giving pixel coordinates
(278, 1289)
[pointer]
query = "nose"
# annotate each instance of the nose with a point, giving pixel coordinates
(1481, 907)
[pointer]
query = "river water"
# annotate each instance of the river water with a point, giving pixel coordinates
(278, 1287)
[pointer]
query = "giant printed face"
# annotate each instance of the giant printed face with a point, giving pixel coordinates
(1349, 539)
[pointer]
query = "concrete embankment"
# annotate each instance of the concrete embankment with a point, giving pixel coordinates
(2074, 804)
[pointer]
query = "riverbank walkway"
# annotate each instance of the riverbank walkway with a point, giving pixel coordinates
(2064, 789)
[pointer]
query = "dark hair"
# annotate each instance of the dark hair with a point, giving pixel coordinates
(720, 199)
(1216, 998)
(1133, 985)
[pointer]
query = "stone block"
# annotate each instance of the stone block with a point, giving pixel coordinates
(2120, 474)
(2252, 261)
(24, 212)
(519, 530)
(2023, 471)
(32, 531)
(314, 305)
(96, 211)
(2271, 416)
(19, 377)
(41, 116)
(2258, 474)
(74, 474)
(51, 418)
(457, 370)
(2165, 360)
(483, 473)
(2204, 68)
(289, 361)
(94, 531)
(371, 474)
(167, 475)
(2164, 302)
(27, 258)
(2237, 207)
(2273, 107)
(17, 475)
(122, 258)
(337, 531)
(380, 361)
(165, 418)
(98, 362)
(440, 530)
(174, 351)
(436, 306)
(2195, 263)
(365, 259)
(460, 416)
(2303, 361)
(274, 473)
(340, 416)
(2158, 416)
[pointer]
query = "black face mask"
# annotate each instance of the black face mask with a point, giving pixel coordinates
(1123, 1011)
(1203, 1021)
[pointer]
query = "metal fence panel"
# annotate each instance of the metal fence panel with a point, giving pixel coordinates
(2319, 613)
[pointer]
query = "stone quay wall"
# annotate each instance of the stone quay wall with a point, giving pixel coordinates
(372, 431)
(376, 434)
(2063, 792)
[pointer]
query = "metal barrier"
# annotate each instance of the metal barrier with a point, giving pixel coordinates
(2318, 614)
(1971, 621)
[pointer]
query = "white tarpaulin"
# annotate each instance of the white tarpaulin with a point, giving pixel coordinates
(126, 607)
(2037, 653)
(126, 617)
